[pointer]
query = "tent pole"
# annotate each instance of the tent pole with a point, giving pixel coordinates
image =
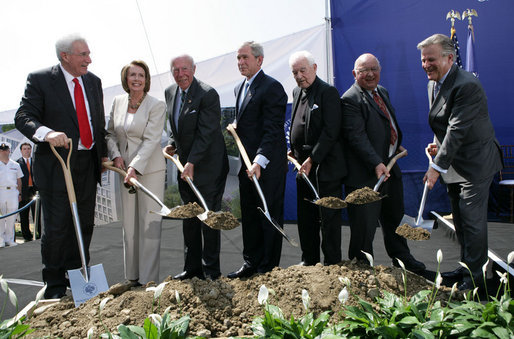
(328, 44)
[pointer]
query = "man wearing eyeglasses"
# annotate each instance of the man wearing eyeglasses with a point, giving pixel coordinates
(60, 103)
(372, 137)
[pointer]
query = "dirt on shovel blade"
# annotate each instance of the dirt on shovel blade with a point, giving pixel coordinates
(190, 210)
(331, 202)
(412, 233)
(362, 196)
(221, 220)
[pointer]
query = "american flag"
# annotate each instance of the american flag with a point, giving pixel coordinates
(471, 65)
(453, 36)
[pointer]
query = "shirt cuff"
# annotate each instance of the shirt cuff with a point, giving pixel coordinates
(41, 133)
(437, 168)
(261, 160)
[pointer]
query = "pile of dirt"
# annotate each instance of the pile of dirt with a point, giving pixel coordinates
(412, 233)
(190, 210)
(226, 307)
(363, 195)
(331, 202)
(221, 220)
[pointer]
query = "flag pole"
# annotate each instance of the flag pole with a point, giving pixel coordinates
(328, 44)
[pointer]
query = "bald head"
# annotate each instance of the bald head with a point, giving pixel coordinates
(366, 71)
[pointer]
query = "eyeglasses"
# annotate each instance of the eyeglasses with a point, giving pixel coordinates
(368, 70)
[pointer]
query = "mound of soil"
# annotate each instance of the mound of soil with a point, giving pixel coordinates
(225, 307)
(412, 233)
(331, 202)
(363, 195)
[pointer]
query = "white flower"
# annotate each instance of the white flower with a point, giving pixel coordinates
(439, 256)
(484, 267)
(177, 296)
(475, 291)
(4, 285)
(156, 319)
(263, 295)
(40, 294)
(158, 290)
(103, 302)
(454, 287)
(503, 277)
(345, 281)
(402, 265)
(438, 281)
(12, 298)
(90, 333)
(343, 296)
(510, 257)
(369, 257)
(464, 265)
(305, 299)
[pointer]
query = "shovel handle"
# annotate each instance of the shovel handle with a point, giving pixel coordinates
(304, 176)
(428, 155)
(294, 162)
(110, 165)
(389, 166)
(240, 146)
(175, 161)
(67, 174)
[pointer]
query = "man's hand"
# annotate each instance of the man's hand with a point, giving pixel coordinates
(306, 166)
(254, 170)
(432, 149)
(189, 171)
(119, 163)
(382, 169)
(431, 177)
(170, 149)
(57, 139)
(131, 173)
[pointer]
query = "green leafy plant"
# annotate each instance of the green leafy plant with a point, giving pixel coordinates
(172, 196)
(157, 327)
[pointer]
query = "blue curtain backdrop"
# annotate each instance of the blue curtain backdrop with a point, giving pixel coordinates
(391, 29)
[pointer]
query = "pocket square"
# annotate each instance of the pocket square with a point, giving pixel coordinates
(193, 111)
(314, 106)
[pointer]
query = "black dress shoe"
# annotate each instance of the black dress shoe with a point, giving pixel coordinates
(244, 272)
(411, 264)
(465, 285)
(188, 275)
(54, 295)
(456, 274)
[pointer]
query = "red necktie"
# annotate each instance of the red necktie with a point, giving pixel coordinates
(383, 107)
(80, 107)
(30, 174)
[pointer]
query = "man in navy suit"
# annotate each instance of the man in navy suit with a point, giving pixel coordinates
(372, 137)
(465, 150)
(60, 103)
(260, 114)
(28, 190)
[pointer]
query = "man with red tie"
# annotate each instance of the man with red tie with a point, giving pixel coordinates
(60, 103)
(28, 191)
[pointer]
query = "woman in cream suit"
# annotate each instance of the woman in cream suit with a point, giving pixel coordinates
(134, 143)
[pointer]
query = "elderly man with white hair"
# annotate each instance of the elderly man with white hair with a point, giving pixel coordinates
(317, 145)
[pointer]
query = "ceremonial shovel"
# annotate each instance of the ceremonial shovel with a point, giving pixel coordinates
(248, 164)
(419, 222)
(165, 211)
(389, 166)
(85, 282)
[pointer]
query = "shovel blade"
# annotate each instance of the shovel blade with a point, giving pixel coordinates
(425, 224)
(202, 216)
(83, 290)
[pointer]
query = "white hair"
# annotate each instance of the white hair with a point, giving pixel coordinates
(301, 55)
(65, 44)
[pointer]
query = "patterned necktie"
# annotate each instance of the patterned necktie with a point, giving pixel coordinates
(243, 95)
(80, 107)
(437, 87)
(182, 99)
(30, 174)
(383, 107)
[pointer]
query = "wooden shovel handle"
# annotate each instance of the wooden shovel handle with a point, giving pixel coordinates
(67, 173)
(294, 162)
(239, 144)
(110, 165)
(396, 157)
(175, 161)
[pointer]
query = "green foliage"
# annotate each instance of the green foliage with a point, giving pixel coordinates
(8, 127)
(230, 143)
(172, 196)
(164, 328)
(232, 204)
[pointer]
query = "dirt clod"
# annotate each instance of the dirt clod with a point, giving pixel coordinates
(331, 202)
(412, 233)
(362, 196)
(190, 210)
(221, 220)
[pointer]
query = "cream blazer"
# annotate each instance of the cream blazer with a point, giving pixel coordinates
(140, 144)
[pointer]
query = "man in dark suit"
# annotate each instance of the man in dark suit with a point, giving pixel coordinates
(194, 111)
(466, 152)
(316, 143)
(260, 114)
(28, 191)
(373, 136)
(60, 103)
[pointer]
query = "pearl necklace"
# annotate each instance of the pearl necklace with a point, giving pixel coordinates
(136, 106)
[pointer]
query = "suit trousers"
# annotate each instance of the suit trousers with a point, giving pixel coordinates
(313, 218)
(388, 212)
(469, 208)
(142, 229)
(202, 256)
(262, 243)
(24, 216)
(59, 247)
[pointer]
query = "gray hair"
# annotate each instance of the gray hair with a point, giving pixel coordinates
(256, 48)
(362, 56)
(65, 44)
(187, 56)
(301, 55)
(439, 39)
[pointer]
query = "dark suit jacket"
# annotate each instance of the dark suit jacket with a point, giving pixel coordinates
(25, 194)
(260, 123)
(322, 129)
(199, 139)
(367, 134)
(47, 102)
(463, 130)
